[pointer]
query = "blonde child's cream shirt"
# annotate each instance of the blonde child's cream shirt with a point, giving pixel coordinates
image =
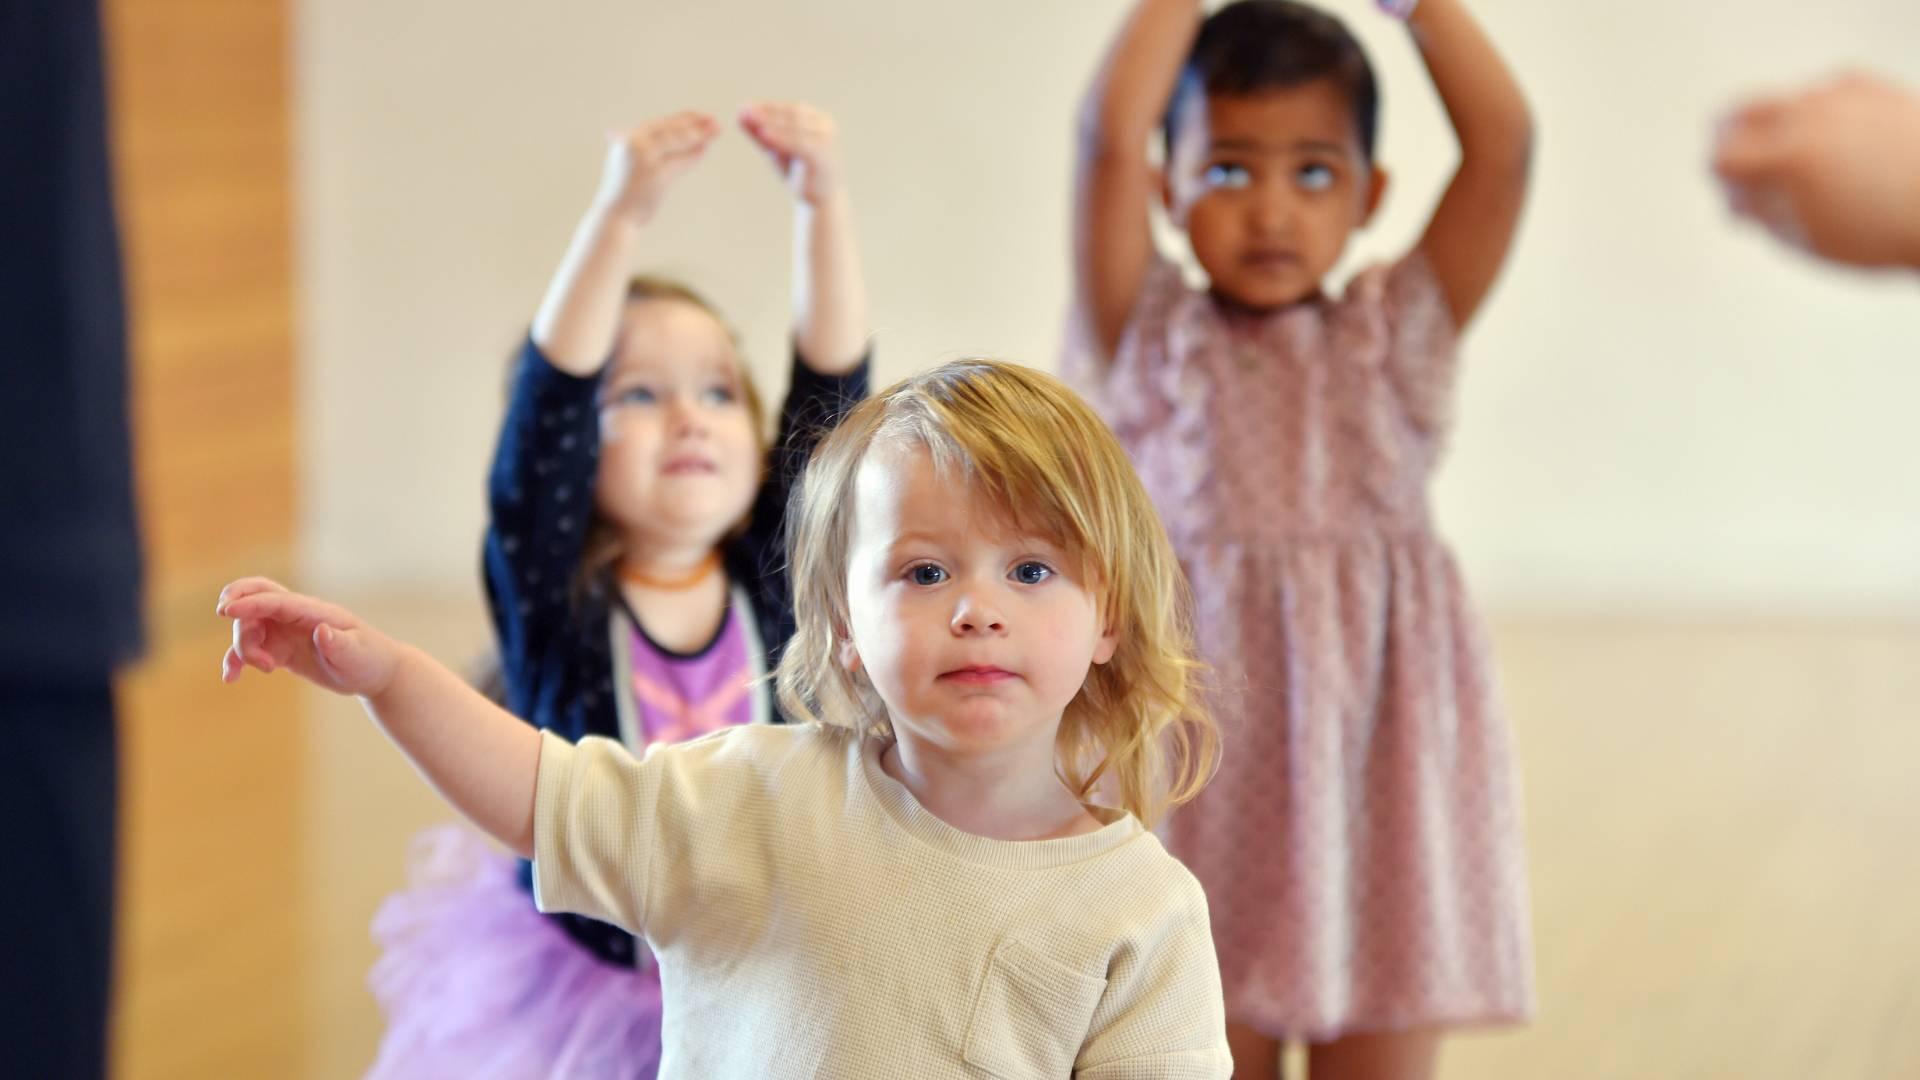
(811, 919)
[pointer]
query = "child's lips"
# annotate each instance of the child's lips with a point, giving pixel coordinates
(1270, 259)
(687, 463)
(978, 675)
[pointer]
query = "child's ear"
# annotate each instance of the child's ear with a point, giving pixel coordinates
(843, 649)
(1376, 193)
(1106, 646)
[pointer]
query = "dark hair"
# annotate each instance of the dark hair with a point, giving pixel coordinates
(1254, 45)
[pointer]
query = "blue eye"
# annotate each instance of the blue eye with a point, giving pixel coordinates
(1032, 573)
(927, 574)
(1315, 177)
(1227, 175)
(634, 395)
(719, 395)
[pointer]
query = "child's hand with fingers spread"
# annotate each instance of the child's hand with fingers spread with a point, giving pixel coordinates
(644, 162)
(320, 642)
(803, 143)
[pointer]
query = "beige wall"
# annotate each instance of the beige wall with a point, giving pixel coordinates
(1660, 413)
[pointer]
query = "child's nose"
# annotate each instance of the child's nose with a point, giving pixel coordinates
(976, 614)
(686, 416)
(1273, 211)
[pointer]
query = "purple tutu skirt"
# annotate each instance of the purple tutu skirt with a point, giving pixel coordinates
(477, 984)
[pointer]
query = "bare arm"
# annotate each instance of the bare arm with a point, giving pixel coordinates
(478, 756)
(829, 293)
(580, 315)
(1472, 229)
(829, 290)
(1114, 185)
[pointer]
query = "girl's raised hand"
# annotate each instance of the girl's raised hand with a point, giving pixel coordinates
(642, 163)
(320, 642)
(803, 143)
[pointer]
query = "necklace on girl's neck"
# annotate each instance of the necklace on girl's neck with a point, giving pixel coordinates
(635, 576)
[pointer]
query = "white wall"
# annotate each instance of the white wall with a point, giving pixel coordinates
(1661, 413)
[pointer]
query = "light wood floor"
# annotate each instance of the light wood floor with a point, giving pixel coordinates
(1724, 832)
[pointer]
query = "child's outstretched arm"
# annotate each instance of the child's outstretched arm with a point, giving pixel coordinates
(1472, 229)
(829, 291)
(580, 315)
(476, 755)
(1114, 184)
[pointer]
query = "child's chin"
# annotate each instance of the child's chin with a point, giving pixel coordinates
(982, 726)
(1264, 294)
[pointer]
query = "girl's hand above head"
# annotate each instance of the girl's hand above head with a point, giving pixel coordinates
(803, 143)
(320, 642)
(642, 163)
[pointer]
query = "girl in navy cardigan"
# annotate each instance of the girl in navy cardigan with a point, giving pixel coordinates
(638, 588)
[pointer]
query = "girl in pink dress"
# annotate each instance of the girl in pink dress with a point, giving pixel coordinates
(1361, 847)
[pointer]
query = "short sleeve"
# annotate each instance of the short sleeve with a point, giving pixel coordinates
(1124, 388)
(595, 830)
(1163, 1016)
(1421, 341)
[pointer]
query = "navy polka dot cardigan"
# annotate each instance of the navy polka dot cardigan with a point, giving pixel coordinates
(555, 652)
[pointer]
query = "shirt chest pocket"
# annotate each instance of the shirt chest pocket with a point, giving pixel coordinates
(1031, 1016)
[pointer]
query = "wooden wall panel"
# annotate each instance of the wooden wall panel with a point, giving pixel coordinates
(202, 134)
(213, 917)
